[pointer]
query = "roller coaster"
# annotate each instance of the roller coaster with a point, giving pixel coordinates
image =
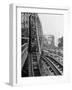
(35, 61)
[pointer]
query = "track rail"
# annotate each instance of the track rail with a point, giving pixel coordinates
(57, 64)
(52, 66)
(46, 53)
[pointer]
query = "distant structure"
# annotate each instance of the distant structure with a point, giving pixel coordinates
(51, 41)
(48, 42)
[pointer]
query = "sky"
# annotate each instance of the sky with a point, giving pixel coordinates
(52, 24)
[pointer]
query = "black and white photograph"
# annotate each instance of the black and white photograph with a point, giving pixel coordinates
(41, 44)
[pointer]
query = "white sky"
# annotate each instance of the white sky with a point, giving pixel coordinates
(52, 25)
